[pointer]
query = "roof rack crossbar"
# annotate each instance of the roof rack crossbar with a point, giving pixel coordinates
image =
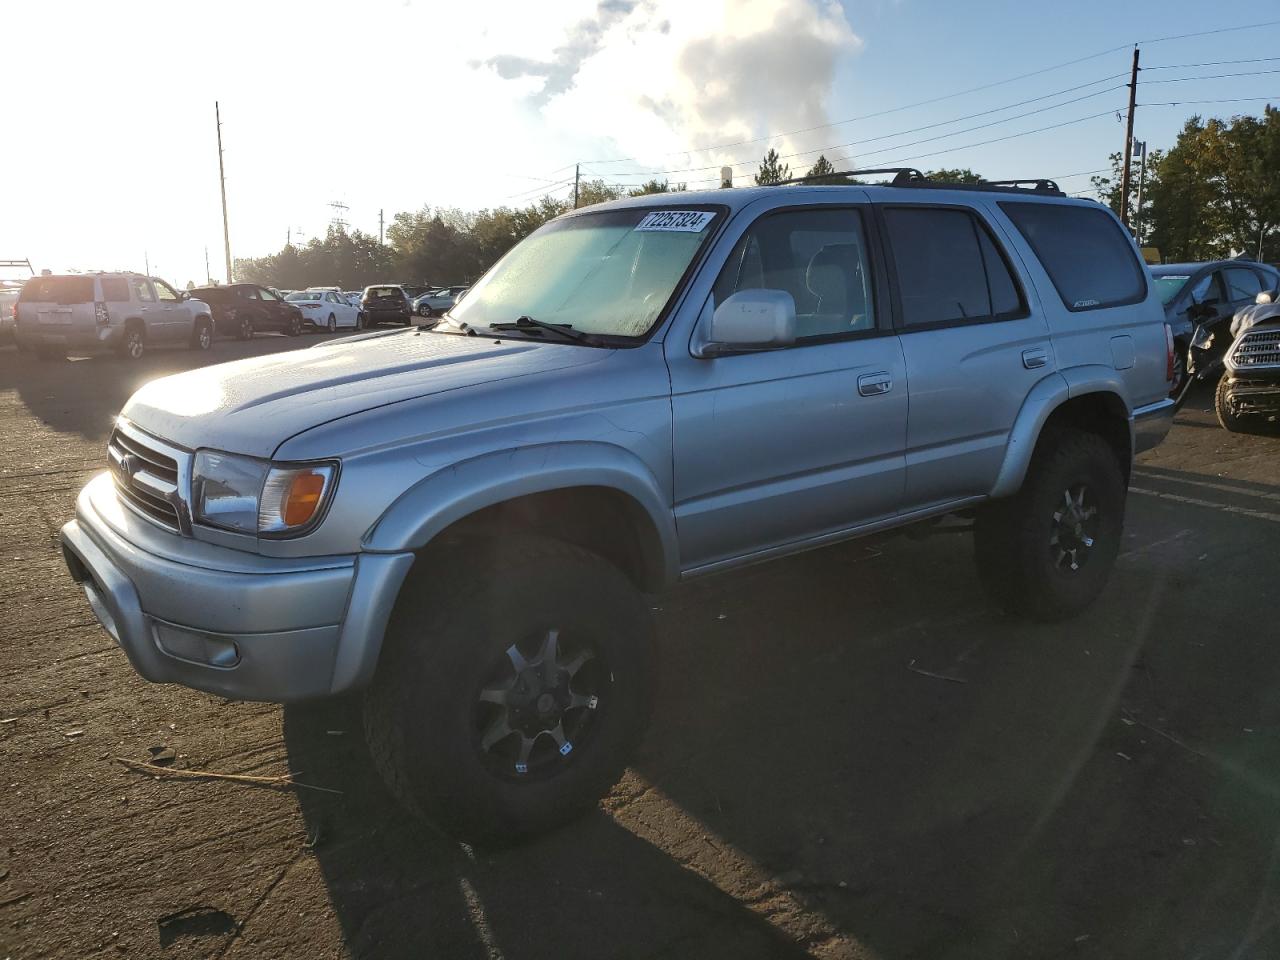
(911, 177)
(902, 175)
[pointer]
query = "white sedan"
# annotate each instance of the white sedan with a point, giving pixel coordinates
(326, 309)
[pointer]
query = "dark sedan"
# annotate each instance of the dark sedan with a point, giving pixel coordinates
(385, 303)
(241, 309)
(1207, 296)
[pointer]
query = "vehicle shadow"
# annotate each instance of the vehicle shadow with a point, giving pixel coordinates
(402, 891)
(83, 395)
(849, 754)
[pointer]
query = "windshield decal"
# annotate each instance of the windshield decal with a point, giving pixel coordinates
(679, 221)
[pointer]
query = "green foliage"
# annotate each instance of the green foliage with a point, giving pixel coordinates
(771, 171)
(823, 172)
(955, 175)
(656, 186)
(348, 260)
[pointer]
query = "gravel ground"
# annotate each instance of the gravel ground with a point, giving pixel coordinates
(1106, 787)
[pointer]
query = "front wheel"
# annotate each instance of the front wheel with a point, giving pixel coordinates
(510, 703)
(295, 327)
(1228, 417)
(245, 330)
(359, 321)
(1046, 553)
(202, 335)
(424, 311)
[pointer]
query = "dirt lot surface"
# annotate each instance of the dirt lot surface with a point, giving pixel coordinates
(850, 756)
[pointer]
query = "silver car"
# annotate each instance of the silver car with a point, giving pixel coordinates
(125, 313)
(465, 521)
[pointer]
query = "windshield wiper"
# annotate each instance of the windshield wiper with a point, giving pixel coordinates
(564, 329)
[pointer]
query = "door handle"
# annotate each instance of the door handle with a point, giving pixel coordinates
(874, 384)
(1035, 357)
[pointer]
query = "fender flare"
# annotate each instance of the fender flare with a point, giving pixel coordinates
(1042, 400)
(442, 498)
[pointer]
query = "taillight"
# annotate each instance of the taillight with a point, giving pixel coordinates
(100, 313)
(1168, 354)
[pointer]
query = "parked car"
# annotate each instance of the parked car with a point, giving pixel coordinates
(326, 310)
(386, 303)
(414, 290)
(466, 520)
(433, 303)
(9, 291)
(95, 312)
(353, 297)
(242, 309)
(1199, 301)
(1248, 393)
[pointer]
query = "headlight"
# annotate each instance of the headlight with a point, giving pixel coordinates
(252, 496)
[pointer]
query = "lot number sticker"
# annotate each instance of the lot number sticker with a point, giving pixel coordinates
(679, 221)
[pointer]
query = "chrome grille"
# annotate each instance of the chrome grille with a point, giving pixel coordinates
(1259, 348)
(146, 477)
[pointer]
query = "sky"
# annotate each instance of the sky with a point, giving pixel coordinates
(108, 158)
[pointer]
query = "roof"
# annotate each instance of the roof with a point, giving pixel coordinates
(738, 197)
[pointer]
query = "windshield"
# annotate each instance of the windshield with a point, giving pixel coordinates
(609, 273)
(1168, 286)
(296, 297)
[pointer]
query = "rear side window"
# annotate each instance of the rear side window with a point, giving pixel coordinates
(1085, 252)
(57, 290)
(115, 289)
(949, 268)
(1242, 284)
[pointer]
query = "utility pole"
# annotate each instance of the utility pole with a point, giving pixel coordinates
(577, 172)
(147, 261)
(1128, 141)
(222, 180)
(379, 226)
(1141, 147)
(208, 276)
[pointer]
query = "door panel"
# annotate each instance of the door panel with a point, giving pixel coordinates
(780, 447)
(973, 348)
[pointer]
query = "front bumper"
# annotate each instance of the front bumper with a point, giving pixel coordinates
(223, 621)
(1254, 395)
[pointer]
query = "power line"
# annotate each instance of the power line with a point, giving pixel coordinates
(1215, 76)
(1210, 63)
(930, 126)
(949, 96)
(1180, 103)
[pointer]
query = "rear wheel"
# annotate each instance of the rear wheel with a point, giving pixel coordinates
(1047, 552)
(202, 335)
(333, 324)
(511, 705)
(134, 344)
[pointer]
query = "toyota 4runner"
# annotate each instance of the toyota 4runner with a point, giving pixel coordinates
(464, 521)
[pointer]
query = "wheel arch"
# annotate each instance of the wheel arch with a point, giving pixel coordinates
(1087, 399)
(594, 495)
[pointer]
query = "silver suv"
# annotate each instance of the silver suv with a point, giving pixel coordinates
(102, 312)
(465, 520)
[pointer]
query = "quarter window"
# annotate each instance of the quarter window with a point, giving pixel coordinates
(115, 289)
(1085, 252)
(819, 257)
(949, 268)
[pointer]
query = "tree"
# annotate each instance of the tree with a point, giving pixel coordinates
(822, 171)
(771, 171)
(597, 191)
(656, 186)
(955, 175)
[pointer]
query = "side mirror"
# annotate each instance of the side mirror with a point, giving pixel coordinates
(1266, 296)
(750, 320)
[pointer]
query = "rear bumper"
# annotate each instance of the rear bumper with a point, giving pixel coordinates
(81, 339)
(1151, 424)
(249, 628)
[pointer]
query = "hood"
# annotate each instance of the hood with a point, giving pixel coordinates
(252, 406)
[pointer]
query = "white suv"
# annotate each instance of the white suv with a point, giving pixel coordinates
(97, 312)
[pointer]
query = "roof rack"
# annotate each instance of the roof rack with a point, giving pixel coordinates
(911, 177)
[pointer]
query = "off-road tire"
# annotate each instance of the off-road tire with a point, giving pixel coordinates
(451, 626)
(1231, 421)
(1013, 537)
